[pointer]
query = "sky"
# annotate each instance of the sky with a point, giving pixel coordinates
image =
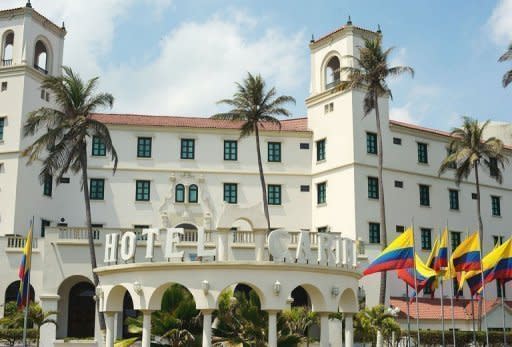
(178, 57)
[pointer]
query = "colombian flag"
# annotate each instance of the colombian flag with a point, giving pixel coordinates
(503, 269)
(398, 255)
(424, 275)
(497, 258)
(24, 272)
(466, 257)
(441, 258)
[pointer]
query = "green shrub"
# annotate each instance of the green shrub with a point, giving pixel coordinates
(13, 336)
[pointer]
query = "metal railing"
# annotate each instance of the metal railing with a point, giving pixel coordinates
(6, 62)
(18, 242)
(40, 69)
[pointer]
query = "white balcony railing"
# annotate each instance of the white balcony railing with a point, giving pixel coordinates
(18, 242)
(243, 237)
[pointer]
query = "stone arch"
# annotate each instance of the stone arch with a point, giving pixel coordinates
(43, 55)
(300, 297)
(156, 295)
(7, 51)
(128, 311)
(316, 297)
(81, 310)
(348, 301)
(63, 305)
(11, 292)
(114, 298)
(331, 62)
(252, 215)
(255, 288)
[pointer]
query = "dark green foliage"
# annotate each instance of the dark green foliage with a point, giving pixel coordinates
(15, 335)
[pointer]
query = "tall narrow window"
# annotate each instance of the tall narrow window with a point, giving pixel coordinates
(422, 153)
(193, 193)
(493, 167)
(41, 57)
(44, 224)
(230, 193)
(187, 149)
(97, 189)
(332, 72)
(143, 191)
(424, 195)
(371, 143)
(48, 185)
(2, 125)
(320, 150)
(230, 150)
(455, 238)
(452, 164)
(498, 240)
(321, 193)
(496, 205)
(274, 151)
(426, 239)
(179, 194)
(98, 147)
(454, 199)
(8, 50)
(274, 194)
(373, 187)
(374, 233)
(144, 147)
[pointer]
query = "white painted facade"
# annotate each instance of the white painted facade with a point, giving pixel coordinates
(61, 257)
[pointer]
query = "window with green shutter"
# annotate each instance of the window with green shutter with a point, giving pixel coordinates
(373, 187)
(230, 150)
(422, 153)
(274, 151)
(98, 147)
(2, 125)
(455, 239)
(179, 194)
(97, 189)
(452, 164)
(320, 150)
(374, 233)
(424, 195)
(193, 193)
(454, 199)
(48, 185)
(142, 190)
(230, 193)
(496, 205)
(144, 147)
(493, 167)
(187, 148)
(426, 239)
(321, 193)
(274, 194)
(371, 143)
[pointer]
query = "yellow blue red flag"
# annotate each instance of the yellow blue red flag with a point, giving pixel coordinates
(440, 260)
(466, 257)
(424, 274)
(24, 272)
(398, 255)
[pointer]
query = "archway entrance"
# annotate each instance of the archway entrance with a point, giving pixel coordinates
(11, 294)
(81, 310)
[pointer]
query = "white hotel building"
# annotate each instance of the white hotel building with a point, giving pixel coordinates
(187, 172)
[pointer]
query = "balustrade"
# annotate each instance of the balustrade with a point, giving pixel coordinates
(18, 242)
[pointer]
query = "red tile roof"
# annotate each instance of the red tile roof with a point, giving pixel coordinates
(430, 308)
(295, 124)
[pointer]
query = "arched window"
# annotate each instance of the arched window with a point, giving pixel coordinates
(81, 310)
(8, 47)
(180, 193)
(41, 57)
(332, 72)
(192, 193)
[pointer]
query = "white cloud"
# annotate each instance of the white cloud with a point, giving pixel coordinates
(420, 98)
(403, 114)
(500, 23)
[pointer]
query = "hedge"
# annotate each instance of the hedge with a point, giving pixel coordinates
(464, 338)
(11, 336)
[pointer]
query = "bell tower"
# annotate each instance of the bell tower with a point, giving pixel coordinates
(31, 48)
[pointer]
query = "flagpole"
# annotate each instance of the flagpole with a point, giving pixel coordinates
(27, 302)
(442, 311)
(472, 298)
(449, 252)
(416, 285)
(503, 311)
(408, 316)
(482, 297)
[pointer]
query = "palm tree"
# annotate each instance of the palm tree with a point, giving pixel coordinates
(467, 151)
(255, 107)
(376, 323)
(507, 77)
(369, 74)
(62, 144)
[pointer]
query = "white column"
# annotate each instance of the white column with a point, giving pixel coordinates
(48, 333)
(109, 323)
(259, 241)
(335, 332)
(272, 328)
(222, 244)
(324, 329)
(146, 328)
(349, 330)
(207, 328)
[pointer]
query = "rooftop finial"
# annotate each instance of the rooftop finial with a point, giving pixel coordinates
(379, 31)
(312, 38)
(63, 25)
(29, 5)
(349, 22)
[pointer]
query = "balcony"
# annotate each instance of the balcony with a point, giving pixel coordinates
(6, 62)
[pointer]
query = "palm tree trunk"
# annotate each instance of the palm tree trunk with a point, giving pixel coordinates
(262, 177)
(92, 251)
(480, 234)
(382, 207)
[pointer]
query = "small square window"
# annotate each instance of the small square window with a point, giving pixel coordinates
(397, 141)
(274, 194)
(321, 193)
(4, 86)
(322, 229)
(64, 180)
(230, 193)
(97, 189)
(143, 191)
(371, 143)
(373, 187)
(400, 228)
(274, 151)
(304, 145)
(498, 240)
(187, 149)
(474, 196)
(230, 150)
(399, 184)
(304, 188)
(374, 232)
(144, 147)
